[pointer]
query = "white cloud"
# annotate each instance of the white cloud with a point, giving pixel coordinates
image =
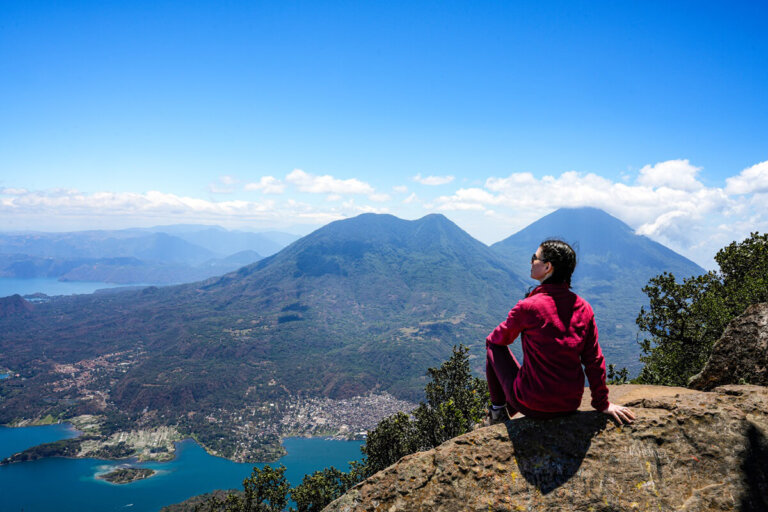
(225, 185)
(327, 184)
(467, 199)
(636, 204)
(410, 199)
(150, 204)
(751, 180)
(13, 191)
(69, 209)
(675, 174)
(400, 189)
(267, 185)
(674, 209)
(432, 180)
(379, 198)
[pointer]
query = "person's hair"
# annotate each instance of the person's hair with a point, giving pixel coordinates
(563, 259)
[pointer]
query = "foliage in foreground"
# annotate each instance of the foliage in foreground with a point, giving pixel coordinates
(685, 319)
(455, 403)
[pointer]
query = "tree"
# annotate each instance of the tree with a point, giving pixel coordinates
(456, 402)
(615, 377)
(394, 437)
(318, 489)
(264, 491)
(685, 319)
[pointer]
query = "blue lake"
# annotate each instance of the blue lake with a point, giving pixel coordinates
(71, 485)
(49, 286)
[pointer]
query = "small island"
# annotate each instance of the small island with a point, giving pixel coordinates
(126, 475)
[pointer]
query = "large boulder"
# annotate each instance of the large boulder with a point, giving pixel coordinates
(740, 356)
(687, 450)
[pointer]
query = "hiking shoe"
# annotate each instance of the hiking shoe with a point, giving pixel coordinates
(494, 416)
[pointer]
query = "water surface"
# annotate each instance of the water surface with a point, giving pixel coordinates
(49, 286)
(71, 485)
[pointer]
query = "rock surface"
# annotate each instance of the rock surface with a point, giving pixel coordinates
(741, 353)
(687, 450)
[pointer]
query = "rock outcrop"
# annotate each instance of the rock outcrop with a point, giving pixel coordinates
(740, 356)
(687, 450)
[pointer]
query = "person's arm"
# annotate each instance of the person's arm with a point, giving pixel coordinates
(594, 366)
(517, 320)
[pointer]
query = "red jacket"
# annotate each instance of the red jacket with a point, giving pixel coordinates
(559, 336)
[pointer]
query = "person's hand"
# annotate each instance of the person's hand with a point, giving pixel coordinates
(620, 413)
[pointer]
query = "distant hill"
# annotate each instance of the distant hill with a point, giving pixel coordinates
(163, 255)
(15, 307)
(225, 242)
(104, 244)
(614, 264)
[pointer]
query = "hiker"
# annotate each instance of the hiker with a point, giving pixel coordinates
(559, 335)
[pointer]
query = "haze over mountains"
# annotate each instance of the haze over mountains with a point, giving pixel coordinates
(161, 255)
(363, 304)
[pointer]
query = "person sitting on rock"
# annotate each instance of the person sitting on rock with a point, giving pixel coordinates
(559, 335)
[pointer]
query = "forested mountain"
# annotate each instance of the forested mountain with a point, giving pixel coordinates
(614, 264)
(362, 304)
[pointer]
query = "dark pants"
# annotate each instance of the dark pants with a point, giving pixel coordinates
(501, 369)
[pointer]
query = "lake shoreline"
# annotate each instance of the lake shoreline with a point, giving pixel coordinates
(98, 447)
(74, 485)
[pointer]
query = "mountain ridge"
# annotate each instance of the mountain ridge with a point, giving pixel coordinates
(361, 305)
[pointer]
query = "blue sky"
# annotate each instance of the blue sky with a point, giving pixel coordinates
(287, 115)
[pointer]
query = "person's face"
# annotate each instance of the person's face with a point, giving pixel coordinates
(540, 270)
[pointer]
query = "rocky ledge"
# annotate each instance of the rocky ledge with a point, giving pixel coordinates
(687, 450)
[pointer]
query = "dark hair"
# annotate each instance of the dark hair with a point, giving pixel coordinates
(563, 259)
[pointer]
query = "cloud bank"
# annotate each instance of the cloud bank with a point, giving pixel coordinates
(665, 201)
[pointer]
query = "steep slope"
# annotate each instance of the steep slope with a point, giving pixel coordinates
(362, 304)
(614, 264)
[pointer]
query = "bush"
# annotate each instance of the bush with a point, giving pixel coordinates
(685, 319)
(456, 401)
(264, 491)
(318, 489)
